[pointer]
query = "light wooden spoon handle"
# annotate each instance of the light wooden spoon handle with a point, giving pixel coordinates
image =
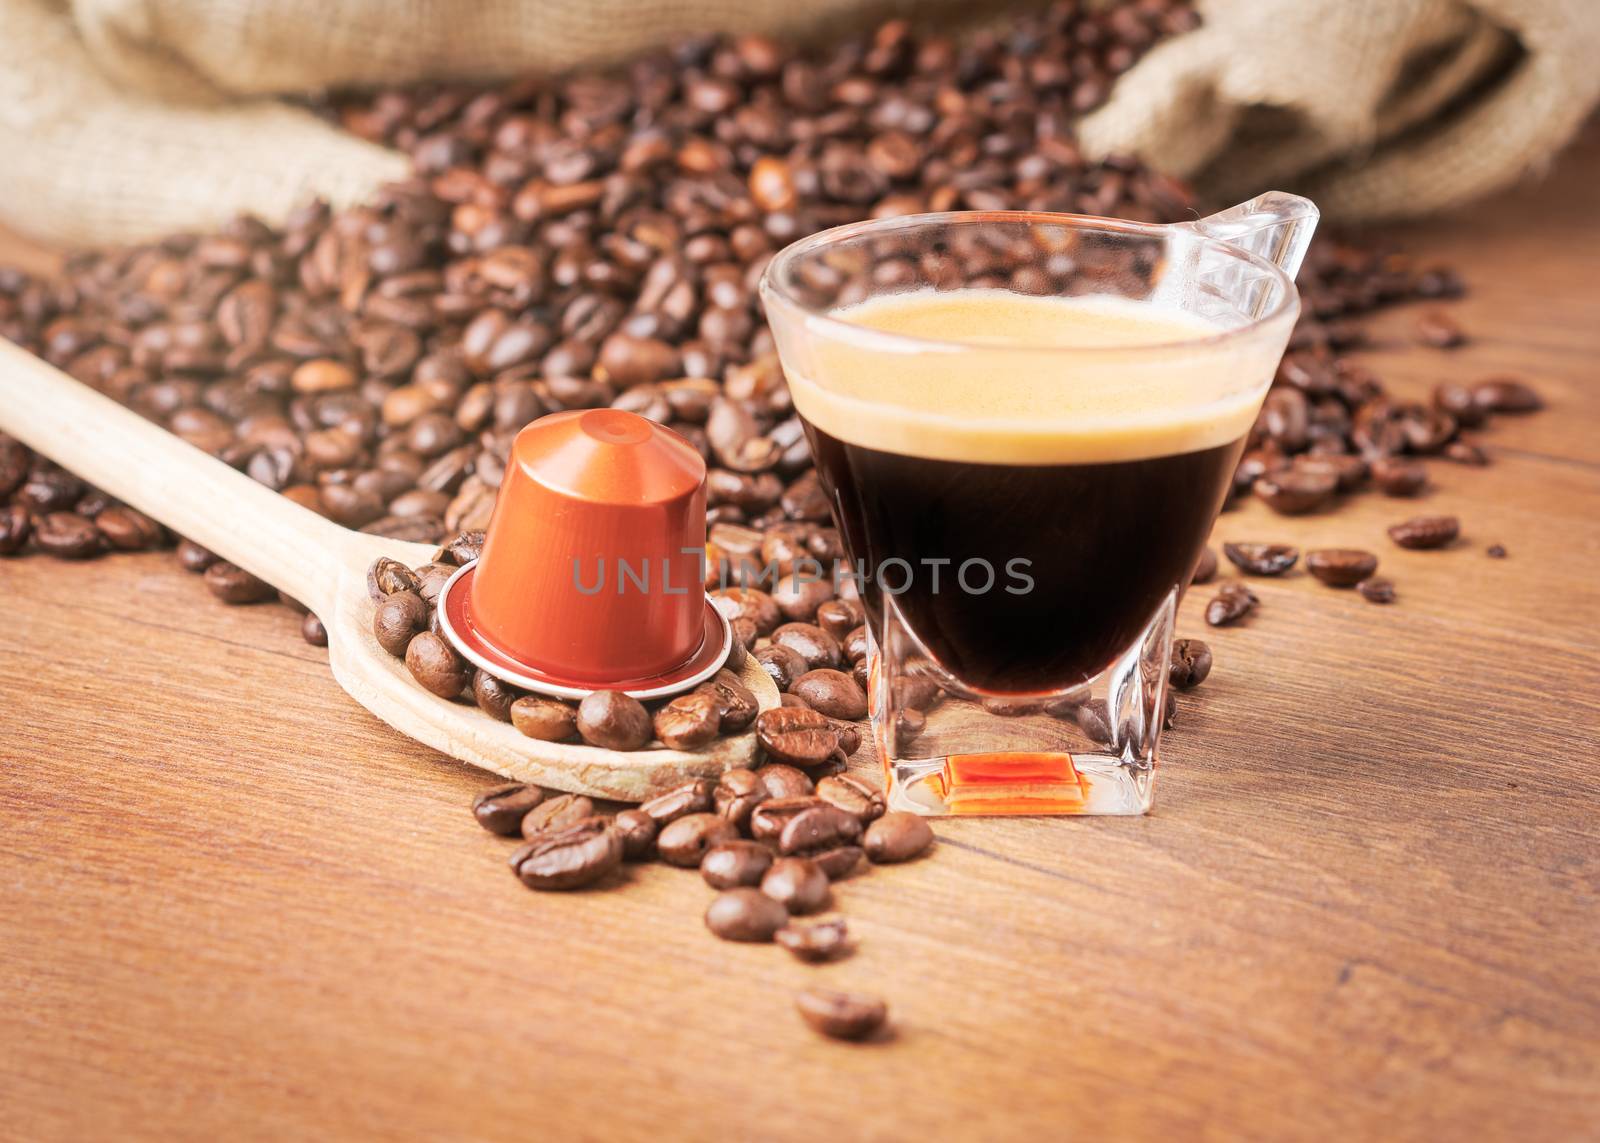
(198, 496)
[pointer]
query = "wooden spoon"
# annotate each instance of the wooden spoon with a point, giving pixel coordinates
(325, 567)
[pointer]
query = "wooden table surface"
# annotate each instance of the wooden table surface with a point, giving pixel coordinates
(1366, 906)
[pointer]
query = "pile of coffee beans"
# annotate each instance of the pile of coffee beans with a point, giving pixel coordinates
(405, 623)
(770, 843)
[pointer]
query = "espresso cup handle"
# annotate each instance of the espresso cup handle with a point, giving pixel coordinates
(1275, 226)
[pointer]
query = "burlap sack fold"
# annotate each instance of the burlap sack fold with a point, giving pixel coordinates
(125, 119)
(1375, 109)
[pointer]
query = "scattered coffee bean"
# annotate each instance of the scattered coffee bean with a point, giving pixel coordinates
(312, 630)
(1377, 590)
(784, 664)
(684, 842)
(575, 856)
(832, 693)
(797, 884)
(1205, 567)
(794, 736)
(730, 864)
(1191, 663)
(1506, 395)
(816, 941)
(897, 836)
(785, 781)
(737, 794)
(638, 832)
(232, 584)
(193, 557)
(1232, 603)
(546, 719)
(837, 862)
(820, 828)
(1495, 551)
(1341, 567)
(502, 809)
(853, 795)
(1425, 532)
(556, 813)
(693, 797)
(1466, 452)
(614, 721)
(1397, 477)
(1261, 559)
(15, 527)
(810, 642)
(128, 530)
(736, 701)
(1296, 491)
(1439, 329)
(745, 915)
(841, 1015)
(767, 821)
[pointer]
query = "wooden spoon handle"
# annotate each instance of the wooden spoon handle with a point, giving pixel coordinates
(198, 496)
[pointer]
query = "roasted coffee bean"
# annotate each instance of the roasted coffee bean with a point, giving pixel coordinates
(819, 828)
(431, 579)
(908, 726)
(193, 557)
(816, 941)
(312, 630)
(1424, 532)
(546, 719)
(1458, 401)
(855, 645)
(50, 490)
(15, 527)
(737, 794)
(397, 619)
(1094, 720)
(684, 842)
(1232, 603)
(833, 693)
(613, 720)
(493, 696)
(689, 722)
(797, 884)
(693, 797)
(897, 836)
(1495, 551)
(1190, 665)
(798, 737)
(749, 603)
(745, 915)
(1506, 395)
(67, 536)
(556, 813)
(1377, 590)
(1341, 567)
(1205, 567)
(1261, 559)
(735, 700)
(784, 664)
(785, 782)
(839, 617)
(1397, 477)
(1296, 491)
(436, 665)
(575, 856)
(232, 584)
(810, 642)
(853, 795)
(1466, 452)
(386, 576)
(128, 530)
(463, 549)
(837, 862)
(841, 1015)
(769, 818)
(730, 864)
(638, 832)
(1439, 329)
(502, 809)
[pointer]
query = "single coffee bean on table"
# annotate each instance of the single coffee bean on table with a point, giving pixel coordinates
(745, 914)
(1232, 603)
(815, 941)
(1341, 567)
(1261, 559)
(841, 1015)
(1422, 533)
(897, 836)
(501, 809)
(1377, 590)
(1190, 665)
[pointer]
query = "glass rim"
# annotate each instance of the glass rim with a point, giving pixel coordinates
(770, 287)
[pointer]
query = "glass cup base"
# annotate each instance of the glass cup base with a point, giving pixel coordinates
(1092, 749)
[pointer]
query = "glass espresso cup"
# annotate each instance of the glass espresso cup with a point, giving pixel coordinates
(1025, 425)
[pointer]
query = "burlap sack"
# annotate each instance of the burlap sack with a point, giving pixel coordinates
(123, 119)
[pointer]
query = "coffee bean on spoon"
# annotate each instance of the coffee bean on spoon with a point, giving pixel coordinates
(1341, 567)
(797, 737)
(1262, 559)
(493, 696)
(401, 616)
(1425, 532)
(735, 700)
(436, 665)
(613, 720)
(689, 722)
(386, 577)
(545, 719)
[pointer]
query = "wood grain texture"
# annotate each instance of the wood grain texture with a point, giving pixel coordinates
(1365, 907)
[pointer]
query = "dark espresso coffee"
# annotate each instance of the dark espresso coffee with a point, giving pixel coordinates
(1025, 511)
